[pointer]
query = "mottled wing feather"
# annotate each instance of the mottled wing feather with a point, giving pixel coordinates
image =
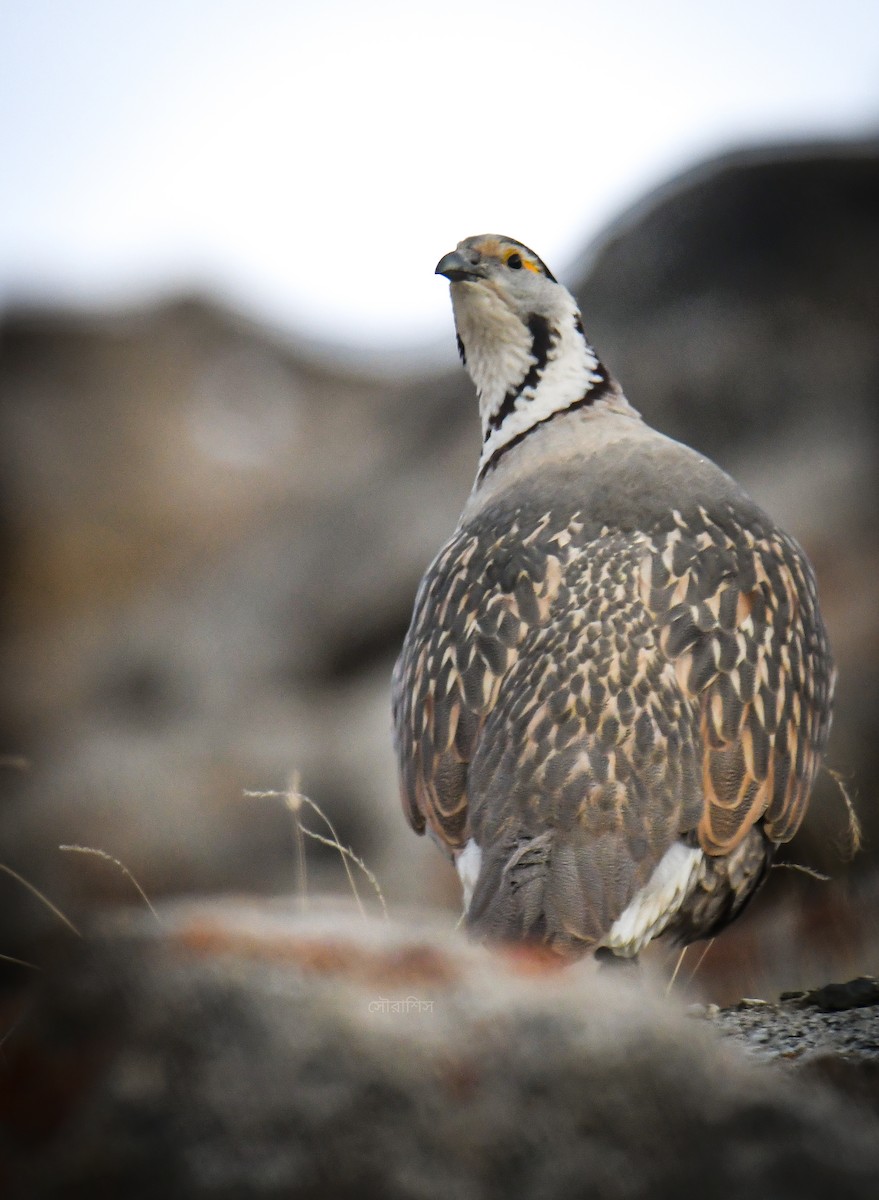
(536, 639)
(577, 699)
(738, 614)
(461, 643)
(590, 739)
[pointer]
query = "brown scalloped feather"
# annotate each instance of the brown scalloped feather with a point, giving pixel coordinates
(577, 700)
(756, 660)
(462, 643)
(542, 650)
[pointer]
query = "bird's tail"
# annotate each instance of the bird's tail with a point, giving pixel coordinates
(560, 888)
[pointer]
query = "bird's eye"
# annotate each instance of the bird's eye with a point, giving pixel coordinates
(514, 262)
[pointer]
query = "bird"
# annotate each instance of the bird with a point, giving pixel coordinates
(616, 689)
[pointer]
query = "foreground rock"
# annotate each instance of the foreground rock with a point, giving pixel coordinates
(238, 1049)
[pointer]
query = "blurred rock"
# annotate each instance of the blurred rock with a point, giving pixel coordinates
(238, 1050)
(213, 535)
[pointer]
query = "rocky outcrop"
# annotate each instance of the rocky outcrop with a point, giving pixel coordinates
(238, 1049)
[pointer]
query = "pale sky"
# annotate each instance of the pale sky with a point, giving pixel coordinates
(309, 163)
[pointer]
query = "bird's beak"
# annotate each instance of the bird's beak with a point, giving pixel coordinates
(456, 268)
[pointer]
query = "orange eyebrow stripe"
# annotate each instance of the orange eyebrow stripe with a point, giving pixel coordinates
(531, 266)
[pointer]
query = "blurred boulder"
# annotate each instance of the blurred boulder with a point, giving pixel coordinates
(237, 1049)
(212, 538)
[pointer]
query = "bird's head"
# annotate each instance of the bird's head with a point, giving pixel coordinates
(504, 268)
(520, 337)
(498, 287)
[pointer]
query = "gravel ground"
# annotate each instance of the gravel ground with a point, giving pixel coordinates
(840, 1019)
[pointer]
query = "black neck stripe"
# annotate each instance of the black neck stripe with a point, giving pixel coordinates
(543, 338)
(596, 391)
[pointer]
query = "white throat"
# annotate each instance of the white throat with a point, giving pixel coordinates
(523, 374)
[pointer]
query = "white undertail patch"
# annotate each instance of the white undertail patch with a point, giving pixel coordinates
(467, 863)
(651, 909)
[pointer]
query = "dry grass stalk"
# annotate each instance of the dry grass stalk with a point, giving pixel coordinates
(294, 799)
(53, 908)
(854, 831)
(106, 857)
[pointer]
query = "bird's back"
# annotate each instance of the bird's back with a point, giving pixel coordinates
(616, 672)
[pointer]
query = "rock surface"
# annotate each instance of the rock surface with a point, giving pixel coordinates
(237, 1049)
